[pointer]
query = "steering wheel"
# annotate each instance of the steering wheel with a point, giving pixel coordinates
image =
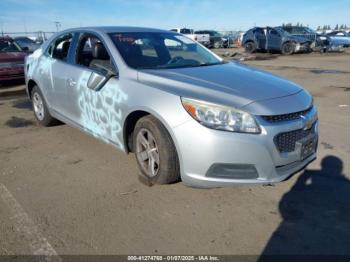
(175, 59)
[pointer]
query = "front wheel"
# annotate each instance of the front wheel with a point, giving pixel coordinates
(287, 48)
(155, 152)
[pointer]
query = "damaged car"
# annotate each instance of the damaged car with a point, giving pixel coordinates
(274, 39)
(185, 112)
(339, 38)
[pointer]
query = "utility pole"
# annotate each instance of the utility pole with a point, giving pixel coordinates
(58, 25)
(2, 27)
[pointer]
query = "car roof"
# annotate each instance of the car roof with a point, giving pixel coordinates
(6, 38)
(119, 29)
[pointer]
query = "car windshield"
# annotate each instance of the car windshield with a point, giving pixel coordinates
(309, 30)
(24, 41)
(154, 50)
(9, 46)
(282, 31)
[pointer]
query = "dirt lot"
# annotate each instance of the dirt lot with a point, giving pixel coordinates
(67, 193)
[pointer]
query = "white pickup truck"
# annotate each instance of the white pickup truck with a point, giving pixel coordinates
(204, 39)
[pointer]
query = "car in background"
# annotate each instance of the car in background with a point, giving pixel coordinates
(216, 40)
(274, 39)
(11, 59)
(185, 112)
(26, 42)
(302, 31)
(200, 38)
(340, 38)
(320, 42)
(229, 39)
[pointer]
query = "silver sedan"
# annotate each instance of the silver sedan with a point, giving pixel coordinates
(183, 111)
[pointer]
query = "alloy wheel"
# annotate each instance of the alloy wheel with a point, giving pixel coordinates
(147, 152)
(38, 106)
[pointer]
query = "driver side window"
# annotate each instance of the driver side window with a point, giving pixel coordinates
(274, 32)
(92, 53)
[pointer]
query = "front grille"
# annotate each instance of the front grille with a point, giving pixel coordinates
(285, 142)
(286, 117)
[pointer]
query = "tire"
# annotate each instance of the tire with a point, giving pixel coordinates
(249, 47)
(40, 109)
(287, 48)
(217, 45)
(167, 170)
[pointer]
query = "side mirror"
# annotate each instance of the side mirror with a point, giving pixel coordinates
(96, 81)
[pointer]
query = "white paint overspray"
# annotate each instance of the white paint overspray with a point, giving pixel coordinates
(101, 113)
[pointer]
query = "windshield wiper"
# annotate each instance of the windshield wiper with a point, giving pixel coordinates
(210, 64)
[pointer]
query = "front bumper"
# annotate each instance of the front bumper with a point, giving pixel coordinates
(200, 148)
(304, 47)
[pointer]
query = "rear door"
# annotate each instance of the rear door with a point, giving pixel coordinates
(260, 38)
(59, 53)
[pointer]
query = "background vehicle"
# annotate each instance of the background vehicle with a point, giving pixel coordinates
(228, 40)
(216, 40)
(200, 38)
(302, 31)
(319, 41)
(274, 39)
(26, 42)
(11, 60)
(339, 38)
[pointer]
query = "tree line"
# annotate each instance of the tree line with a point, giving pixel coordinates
(321, 28)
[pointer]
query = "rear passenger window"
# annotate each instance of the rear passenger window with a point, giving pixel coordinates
(60, 47)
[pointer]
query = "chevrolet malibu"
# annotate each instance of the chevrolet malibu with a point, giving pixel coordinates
(183, 111)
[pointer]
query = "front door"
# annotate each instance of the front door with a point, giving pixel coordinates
(274, 39)
(96, 109)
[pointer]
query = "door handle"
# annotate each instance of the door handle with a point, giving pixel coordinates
(71, 82)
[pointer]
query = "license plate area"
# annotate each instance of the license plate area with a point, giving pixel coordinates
(307, 146)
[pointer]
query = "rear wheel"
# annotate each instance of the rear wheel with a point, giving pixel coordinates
(40, 109)
(287, 48)
(249, 47)
(155, 152)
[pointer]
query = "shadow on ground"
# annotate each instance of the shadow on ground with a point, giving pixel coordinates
(24, 103)
(17, 122)
(316, 214)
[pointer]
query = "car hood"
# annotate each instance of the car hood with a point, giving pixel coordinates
(6, 57)
(229, 84)
(299, 39)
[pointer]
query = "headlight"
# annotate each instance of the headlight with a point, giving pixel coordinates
(220, 117)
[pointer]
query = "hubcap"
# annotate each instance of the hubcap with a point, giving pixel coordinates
(38, 106)
(147, 152)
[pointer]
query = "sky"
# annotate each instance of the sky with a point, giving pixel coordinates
(35, 15)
